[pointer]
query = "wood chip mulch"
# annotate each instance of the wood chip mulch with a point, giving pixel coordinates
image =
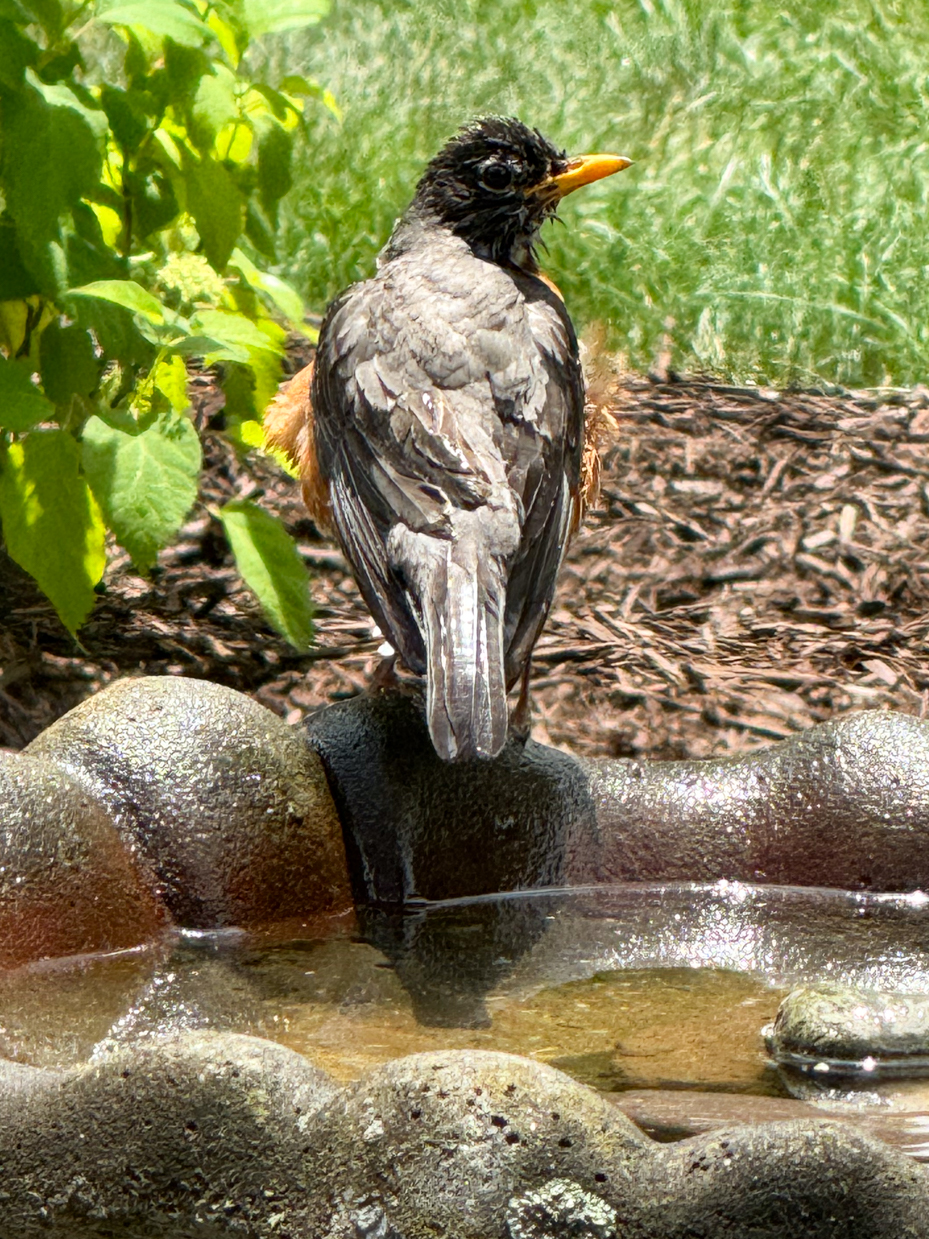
(759, 563)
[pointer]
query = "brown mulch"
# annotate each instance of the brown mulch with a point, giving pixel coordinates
(759, 563)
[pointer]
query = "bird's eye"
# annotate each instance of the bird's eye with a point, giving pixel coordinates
(496, 176)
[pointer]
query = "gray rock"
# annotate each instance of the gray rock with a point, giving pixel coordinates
(839, 1024)
(852, 1049)
(796, 1180)
(202, 1134)
(223, 801)
(673, 1114)
(844, 805)
(442, 1142)
(421, 827)
(67, 884)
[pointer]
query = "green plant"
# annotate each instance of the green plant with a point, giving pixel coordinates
(141, 171)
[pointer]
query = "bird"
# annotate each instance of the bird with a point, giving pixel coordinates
(439, 432)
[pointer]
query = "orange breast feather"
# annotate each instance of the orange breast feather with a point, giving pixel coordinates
(288, 425)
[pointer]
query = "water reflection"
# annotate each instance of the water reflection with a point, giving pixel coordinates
(627, 986)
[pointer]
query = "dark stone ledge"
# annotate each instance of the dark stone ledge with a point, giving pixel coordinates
(843, 805)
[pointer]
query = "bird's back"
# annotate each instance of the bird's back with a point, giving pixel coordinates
(448, 401)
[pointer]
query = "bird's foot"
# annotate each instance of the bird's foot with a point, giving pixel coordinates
(521, 718)
(385, 674)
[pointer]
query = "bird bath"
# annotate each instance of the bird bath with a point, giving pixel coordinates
(535, 950)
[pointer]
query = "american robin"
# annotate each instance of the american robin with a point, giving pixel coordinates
(441, 435)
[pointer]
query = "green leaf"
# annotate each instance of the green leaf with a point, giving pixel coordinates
(116, 329)
(170, 376)
(17, 53)
(14, 316)
(271, 567)
(48, 14)
(89, 257)
(250, 388)
(275, 150)
(280, 105)
(126, 112)
(229, 34)
(295, 85)
(218, 208)
(270, 16)
(258, 232)
(128, 294)
(268, 375)
(50, 161)
(62, 65)
(51, 521)
(214, 105)
(15, 281)
(11, 11)
(78, 98)
(22, 405)
(184, 67)
(146, 483)
(235, 332)
(167, 18)
(154, 204)
(68, 361)
(287, 299)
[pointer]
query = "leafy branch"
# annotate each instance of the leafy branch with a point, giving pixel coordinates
(141, 170)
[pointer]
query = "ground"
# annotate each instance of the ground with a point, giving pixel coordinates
(757, 564)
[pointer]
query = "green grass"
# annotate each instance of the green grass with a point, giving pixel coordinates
(775, 224)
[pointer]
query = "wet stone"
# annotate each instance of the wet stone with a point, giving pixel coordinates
(223, 803)
(841, 1025)
(674, 1114)
(441, 1136)
(853, 1049)
(199, 1134)
(794, 1180)
(211, 1134)
(843, 805)
(67, 884)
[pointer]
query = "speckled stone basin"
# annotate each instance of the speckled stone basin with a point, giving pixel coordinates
(206, 1133)
(179, 868)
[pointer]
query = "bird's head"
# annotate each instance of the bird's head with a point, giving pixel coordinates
(497, 181)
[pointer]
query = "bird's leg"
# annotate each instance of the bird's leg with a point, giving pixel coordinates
(385, 675)
(521, 718)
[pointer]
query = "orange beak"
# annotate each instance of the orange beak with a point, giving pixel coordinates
(582, 170)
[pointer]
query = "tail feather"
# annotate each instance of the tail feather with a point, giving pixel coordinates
(460, 601)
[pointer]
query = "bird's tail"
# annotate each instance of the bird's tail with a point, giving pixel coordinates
(459, 598)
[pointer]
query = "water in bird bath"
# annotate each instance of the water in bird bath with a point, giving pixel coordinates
(623, 988)
(629, 1029)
